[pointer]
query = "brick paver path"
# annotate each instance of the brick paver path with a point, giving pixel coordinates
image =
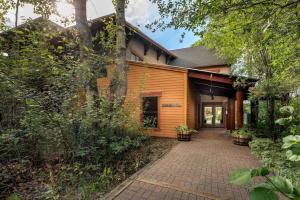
(192, 170)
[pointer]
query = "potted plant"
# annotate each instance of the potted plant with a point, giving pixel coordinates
(183, 133)
(241, 137)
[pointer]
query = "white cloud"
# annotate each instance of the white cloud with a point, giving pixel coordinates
(95, 8)
(140, 12)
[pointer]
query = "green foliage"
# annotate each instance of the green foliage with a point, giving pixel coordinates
(274, 158)
(47, 119)
(262, 192)
(292, 143)
(240, 177)
(242, 133)
(289, 120)
(14, 196)
(183, 129)
(267, 190)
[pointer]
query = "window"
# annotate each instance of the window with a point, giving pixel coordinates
(150, 112)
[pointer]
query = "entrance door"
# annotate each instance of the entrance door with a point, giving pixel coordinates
(213, 115)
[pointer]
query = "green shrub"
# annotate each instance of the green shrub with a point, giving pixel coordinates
(273, 157)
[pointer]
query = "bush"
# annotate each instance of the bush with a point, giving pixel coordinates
(273, 157)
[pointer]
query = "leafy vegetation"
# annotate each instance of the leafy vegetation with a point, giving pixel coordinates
(267, 190)
(281, 158)
(183, 129)
(242, 133)
(54, 139)
(274, 158)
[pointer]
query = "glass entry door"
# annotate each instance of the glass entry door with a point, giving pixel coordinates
(213, 115)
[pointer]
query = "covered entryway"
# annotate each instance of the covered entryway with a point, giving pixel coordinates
(218, 102)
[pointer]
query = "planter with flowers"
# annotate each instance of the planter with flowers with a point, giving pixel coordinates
(242, 137)
(184, 133)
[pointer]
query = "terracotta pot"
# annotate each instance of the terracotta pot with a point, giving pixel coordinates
(184, 137)
(243, 141)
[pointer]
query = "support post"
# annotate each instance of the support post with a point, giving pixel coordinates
(240, 108)
(231, 114)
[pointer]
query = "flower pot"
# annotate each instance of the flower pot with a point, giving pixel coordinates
(184, 137)
(239, 140)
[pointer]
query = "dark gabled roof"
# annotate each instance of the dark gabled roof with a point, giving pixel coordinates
(196, 57)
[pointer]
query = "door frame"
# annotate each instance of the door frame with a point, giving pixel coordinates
(213, 105)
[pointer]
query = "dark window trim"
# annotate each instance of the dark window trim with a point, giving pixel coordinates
(151, 94)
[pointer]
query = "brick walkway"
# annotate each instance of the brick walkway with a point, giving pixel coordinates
(192, 170)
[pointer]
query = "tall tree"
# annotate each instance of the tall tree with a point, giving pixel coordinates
(118, 86)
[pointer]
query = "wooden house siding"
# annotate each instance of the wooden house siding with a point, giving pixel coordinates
(171, 83)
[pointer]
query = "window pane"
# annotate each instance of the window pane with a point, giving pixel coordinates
(150, 112)
(208, 115)
(219, 115)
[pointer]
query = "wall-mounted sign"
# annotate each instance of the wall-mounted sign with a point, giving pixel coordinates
(171, 105)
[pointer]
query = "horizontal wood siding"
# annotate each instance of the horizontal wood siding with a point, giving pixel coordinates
(146, 79)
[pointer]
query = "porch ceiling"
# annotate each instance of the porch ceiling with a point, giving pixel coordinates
(210, 76)
(219, 89)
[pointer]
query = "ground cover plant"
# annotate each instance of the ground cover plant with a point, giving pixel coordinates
(281, 158)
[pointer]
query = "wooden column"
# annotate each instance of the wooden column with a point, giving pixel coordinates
(240, 109)
(231, 114)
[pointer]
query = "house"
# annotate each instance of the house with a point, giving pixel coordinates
(191, 86)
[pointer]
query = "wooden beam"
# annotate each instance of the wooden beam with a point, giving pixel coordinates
(211, 77)
(146, 49)
(167, 59)
(158, 54)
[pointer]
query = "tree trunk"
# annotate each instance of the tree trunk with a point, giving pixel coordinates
(118, 85)
(17, 13)
(83, 29)
(86, 44)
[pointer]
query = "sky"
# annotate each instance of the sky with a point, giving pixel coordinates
(138, 12)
